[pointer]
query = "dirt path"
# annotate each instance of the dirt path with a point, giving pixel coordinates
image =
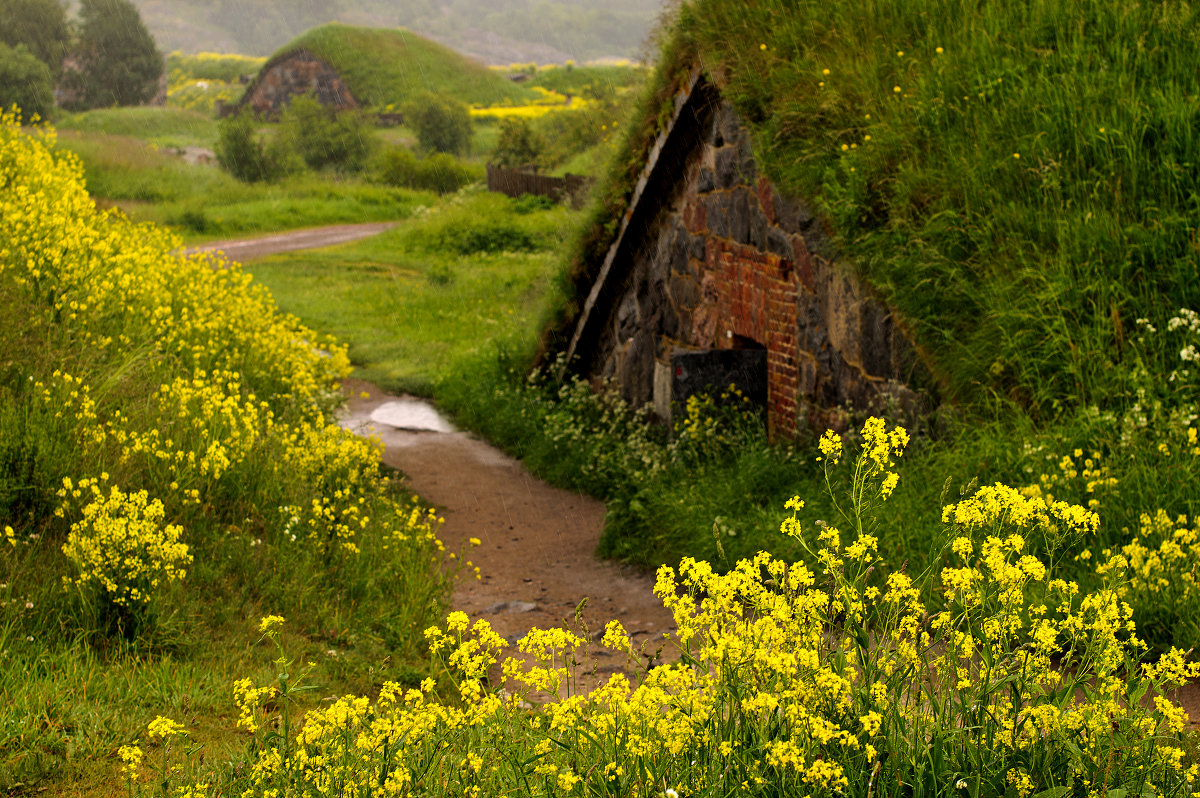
(537, 547)
(245, 249)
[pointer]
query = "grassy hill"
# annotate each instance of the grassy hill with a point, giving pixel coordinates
(387, 66)
(1022, 198)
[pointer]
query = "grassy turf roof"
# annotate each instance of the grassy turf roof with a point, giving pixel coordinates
(1019, 179)
(387, 66)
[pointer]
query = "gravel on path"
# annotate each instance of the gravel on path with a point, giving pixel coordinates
(537, 553)
(245, 249)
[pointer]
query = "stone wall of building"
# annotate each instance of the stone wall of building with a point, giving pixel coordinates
(728, 263)
(292, 75)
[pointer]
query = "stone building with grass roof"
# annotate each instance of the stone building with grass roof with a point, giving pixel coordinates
(350, 66)
(712, 277)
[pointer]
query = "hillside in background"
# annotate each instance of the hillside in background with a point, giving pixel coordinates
(388, 66)
(500, 32)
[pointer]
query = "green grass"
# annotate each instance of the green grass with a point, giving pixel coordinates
(417, 304)
(384, 67)
(596, 81)
(203, 202)
(162, 127)
(1022, 197)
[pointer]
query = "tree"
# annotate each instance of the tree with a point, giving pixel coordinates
(40, 25)
(244, 154)
(518, 145)
(324, 137)
(442, 124)
(116, 60)
(24, 82)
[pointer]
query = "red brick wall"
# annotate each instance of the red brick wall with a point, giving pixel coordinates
(755, 295)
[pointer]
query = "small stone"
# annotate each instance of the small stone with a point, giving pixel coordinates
(511, 607)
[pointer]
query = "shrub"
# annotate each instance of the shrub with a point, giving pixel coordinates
(25, 82)
(324, 137)
(121, 546)
(116, 59)
(40, 25)
(440, 172)
(244, 154)
(518, 145)
(442, 124)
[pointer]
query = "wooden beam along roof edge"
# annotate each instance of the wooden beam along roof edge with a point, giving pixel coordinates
(682, 99)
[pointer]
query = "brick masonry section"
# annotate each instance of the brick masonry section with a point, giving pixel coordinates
(729, 262)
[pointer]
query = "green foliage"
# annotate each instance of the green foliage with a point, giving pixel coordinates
(116, 60)
(325, 138)
(40, 25)
(244, 153)
(208, 202)
(442, 124)
(440, 172)
(595, 82)
(518, 145)
(480, 227)
(569, 134)
(25, 82)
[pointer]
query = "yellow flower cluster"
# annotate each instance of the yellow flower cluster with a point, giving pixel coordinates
(165, 727)
(797, 681)
(547, 102)
(229, 398)
(248, 699)
(1163, 560)
(131, 757)
(996, 506)
(122, 546)
(116, 287)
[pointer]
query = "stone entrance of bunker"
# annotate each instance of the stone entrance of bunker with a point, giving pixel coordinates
(720, 373)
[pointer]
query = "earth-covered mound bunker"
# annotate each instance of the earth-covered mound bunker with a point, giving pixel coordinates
(346, 66)
(1014, 182)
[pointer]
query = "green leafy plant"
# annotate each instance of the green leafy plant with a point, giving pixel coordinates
(440, 172)
(326, 138)
(442, 124)
(518, 146)
(25, 82)
(244, 153)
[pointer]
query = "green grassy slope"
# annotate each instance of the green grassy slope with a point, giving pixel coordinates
(387, 66)
(162, 127)
(1019, 178)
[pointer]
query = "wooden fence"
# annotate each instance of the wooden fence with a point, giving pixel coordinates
(513, 183)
